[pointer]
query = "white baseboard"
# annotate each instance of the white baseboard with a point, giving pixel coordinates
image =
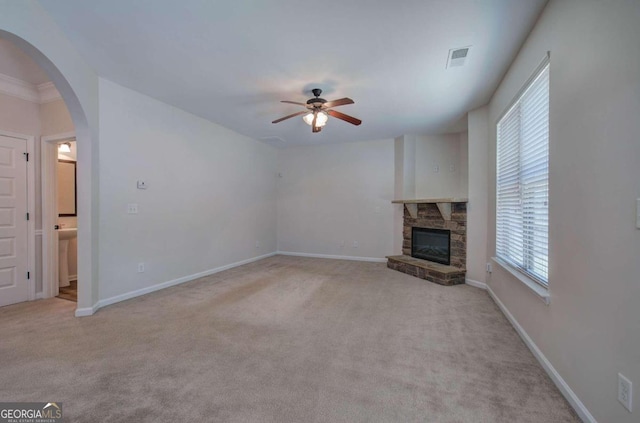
(127, 296)
(476, 284)
(73, 278)
(87, 311)
(564, 388)
(327, 256)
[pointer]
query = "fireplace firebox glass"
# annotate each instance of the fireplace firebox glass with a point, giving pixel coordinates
(431, 244)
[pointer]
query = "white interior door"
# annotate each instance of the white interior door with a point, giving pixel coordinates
(14, 287)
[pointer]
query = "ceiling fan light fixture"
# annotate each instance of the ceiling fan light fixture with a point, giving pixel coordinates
(321, 120)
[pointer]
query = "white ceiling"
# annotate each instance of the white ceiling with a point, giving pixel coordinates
(16, 64)
(232, 61)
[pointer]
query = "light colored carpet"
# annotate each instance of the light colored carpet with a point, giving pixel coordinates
(285, 339)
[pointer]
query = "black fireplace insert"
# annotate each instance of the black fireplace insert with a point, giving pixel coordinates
(431, 244)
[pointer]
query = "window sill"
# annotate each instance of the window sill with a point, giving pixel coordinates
(539, 290)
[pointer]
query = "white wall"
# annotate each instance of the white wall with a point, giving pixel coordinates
(477, 207)
(211, 193)
(438, 166)
(333, 193)
(591, 329)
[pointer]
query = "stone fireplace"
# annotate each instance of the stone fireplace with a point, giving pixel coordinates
(434, 242)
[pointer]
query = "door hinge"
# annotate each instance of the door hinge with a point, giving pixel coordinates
(26, 156)
(28, 275)
(27, 216)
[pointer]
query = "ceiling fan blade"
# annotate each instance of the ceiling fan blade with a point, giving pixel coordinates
(290, 116)
(336, 103)
(294, 102)
(344, 117)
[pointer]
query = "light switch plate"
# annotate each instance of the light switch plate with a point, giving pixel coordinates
(142, 185)
(625, 392)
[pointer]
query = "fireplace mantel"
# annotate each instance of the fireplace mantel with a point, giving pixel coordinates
(444, 205)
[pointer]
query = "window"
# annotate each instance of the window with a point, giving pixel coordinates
(522, 192)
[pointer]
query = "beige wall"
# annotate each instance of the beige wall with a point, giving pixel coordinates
(438, 166)
(591, 329)
(17, 115)
(55, 118)
(330, 196)
(29, 118)
(478, 180)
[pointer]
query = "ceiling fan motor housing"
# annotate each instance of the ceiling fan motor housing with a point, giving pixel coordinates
(316, 102)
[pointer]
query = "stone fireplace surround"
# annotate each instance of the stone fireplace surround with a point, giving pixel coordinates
(438, 213)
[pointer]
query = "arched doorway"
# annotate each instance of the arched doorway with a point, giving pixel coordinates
(29, 29)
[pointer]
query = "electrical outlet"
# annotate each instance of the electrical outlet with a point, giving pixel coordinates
(355, 244)
(140, 267)
(489, 269)
(625, 391)
(341, 244)
(436, 169)
(257, 244)
(132, 208)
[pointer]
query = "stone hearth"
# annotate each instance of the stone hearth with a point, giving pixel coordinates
(438, 213)
(423, 269)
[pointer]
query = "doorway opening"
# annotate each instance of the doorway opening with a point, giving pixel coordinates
(60, 216)
(37, 260)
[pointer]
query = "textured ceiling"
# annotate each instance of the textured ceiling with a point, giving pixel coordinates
(232, 61)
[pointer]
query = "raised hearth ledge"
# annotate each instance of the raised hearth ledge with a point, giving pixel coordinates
(444, 205)
(423, 269)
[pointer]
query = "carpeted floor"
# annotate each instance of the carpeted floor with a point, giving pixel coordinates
(285, 339)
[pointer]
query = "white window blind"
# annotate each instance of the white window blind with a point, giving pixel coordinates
(522, 216)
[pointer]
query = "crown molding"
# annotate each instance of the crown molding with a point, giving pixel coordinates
(48, 93)
(20, 89)
(43, 93)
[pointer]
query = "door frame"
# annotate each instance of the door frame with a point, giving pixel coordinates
(31, 207)
(49, 178)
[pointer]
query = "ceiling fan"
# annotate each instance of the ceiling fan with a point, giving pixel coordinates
(318, 111)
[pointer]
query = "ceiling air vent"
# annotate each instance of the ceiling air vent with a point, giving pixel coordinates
(457, 56)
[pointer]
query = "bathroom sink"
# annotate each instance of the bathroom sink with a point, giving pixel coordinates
(67, 233)
(64, 235)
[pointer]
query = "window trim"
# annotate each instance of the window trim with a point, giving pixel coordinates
(545, 61)
(535, 285)
(540, 290)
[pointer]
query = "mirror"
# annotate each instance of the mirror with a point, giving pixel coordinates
(66, 188)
